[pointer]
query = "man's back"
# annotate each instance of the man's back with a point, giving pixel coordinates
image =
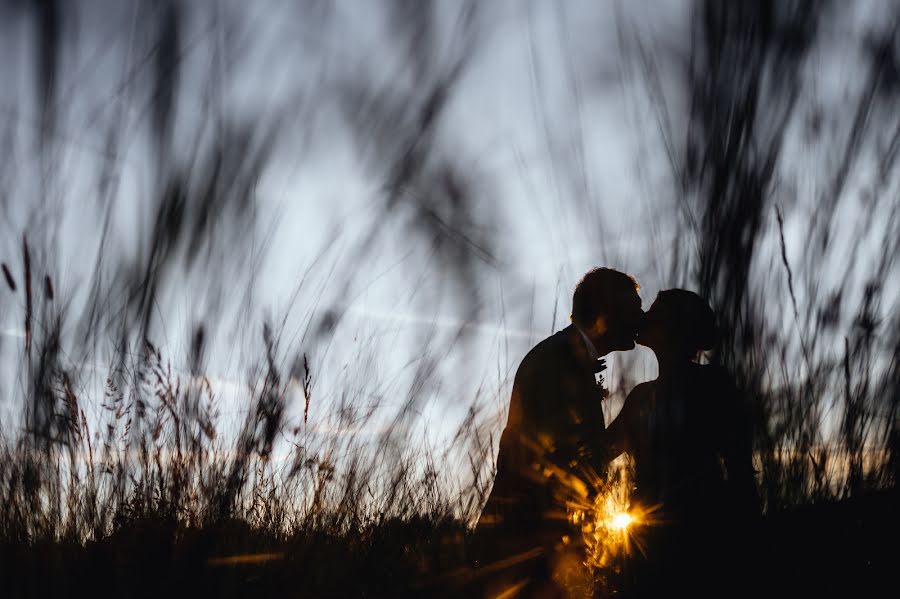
(553, 448)
(553, 441)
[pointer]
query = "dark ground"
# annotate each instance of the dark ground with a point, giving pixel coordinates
(840, 549)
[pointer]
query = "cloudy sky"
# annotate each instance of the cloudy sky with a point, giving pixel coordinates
(545, 160)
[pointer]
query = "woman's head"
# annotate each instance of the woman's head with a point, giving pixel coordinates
(680, 324)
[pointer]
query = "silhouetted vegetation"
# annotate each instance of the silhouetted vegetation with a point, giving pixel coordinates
(120, 474)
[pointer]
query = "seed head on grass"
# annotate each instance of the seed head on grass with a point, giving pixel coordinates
(10, 281)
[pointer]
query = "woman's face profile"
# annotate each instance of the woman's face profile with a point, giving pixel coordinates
(653, 332)
(678, 324)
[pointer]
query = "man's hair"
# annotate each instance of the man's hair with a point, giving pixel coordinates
(600, 291)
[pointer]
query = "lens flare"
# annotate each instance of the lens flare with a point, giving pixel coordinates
(610, 523)
(622, 520)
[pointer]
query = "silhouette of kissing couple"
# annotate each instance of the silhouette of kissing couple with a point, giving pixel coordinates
(686, 432)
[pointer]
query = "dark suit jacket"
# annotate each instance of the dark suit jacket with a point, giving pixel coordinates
(553, 444)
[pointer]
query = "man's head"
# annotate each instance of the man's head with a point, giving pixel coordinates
(607, 308)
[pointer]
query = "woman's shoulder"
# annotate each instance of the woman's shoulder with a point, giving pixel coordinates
(637, 396)
(642, 389)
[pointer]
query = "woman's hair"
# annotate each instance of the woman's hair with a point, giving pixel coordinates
(688, 318)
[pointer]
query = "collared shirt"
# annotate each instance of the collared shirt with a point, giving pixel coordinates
(599, 364)
(591, 349)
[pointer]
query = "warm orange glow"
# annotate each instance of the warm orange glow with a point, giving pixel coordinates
(622, 520)
(610, 524)
(252, 558)
(511, 591)
(606, 528)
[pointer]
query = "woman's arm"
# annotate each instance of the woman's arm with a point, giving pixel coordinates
(619, 434)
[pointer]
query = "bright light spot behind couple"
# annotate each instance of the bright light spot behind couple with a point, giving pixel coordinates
(622, 520)
(611, 525)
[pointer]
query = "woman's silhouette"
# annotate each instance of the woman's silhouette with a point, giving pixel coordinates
(688, 436)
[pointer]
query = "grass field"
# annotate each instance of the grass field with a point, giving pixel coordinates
(764, 181)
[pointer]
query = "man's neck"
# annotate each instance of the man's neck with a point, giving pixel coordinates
(589, 346)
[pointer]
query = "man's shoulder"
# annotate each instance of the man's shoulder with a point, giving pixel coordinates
(555, 349)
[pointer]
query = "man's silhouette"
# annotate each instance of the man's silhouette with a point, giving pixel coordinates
(554, 437)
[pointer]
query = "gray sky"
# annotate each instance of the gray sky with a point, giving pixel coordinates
(550, 120)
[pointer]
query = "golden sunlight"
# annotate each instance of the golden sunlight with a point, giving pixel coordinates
(610, 523)
(622, 520)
